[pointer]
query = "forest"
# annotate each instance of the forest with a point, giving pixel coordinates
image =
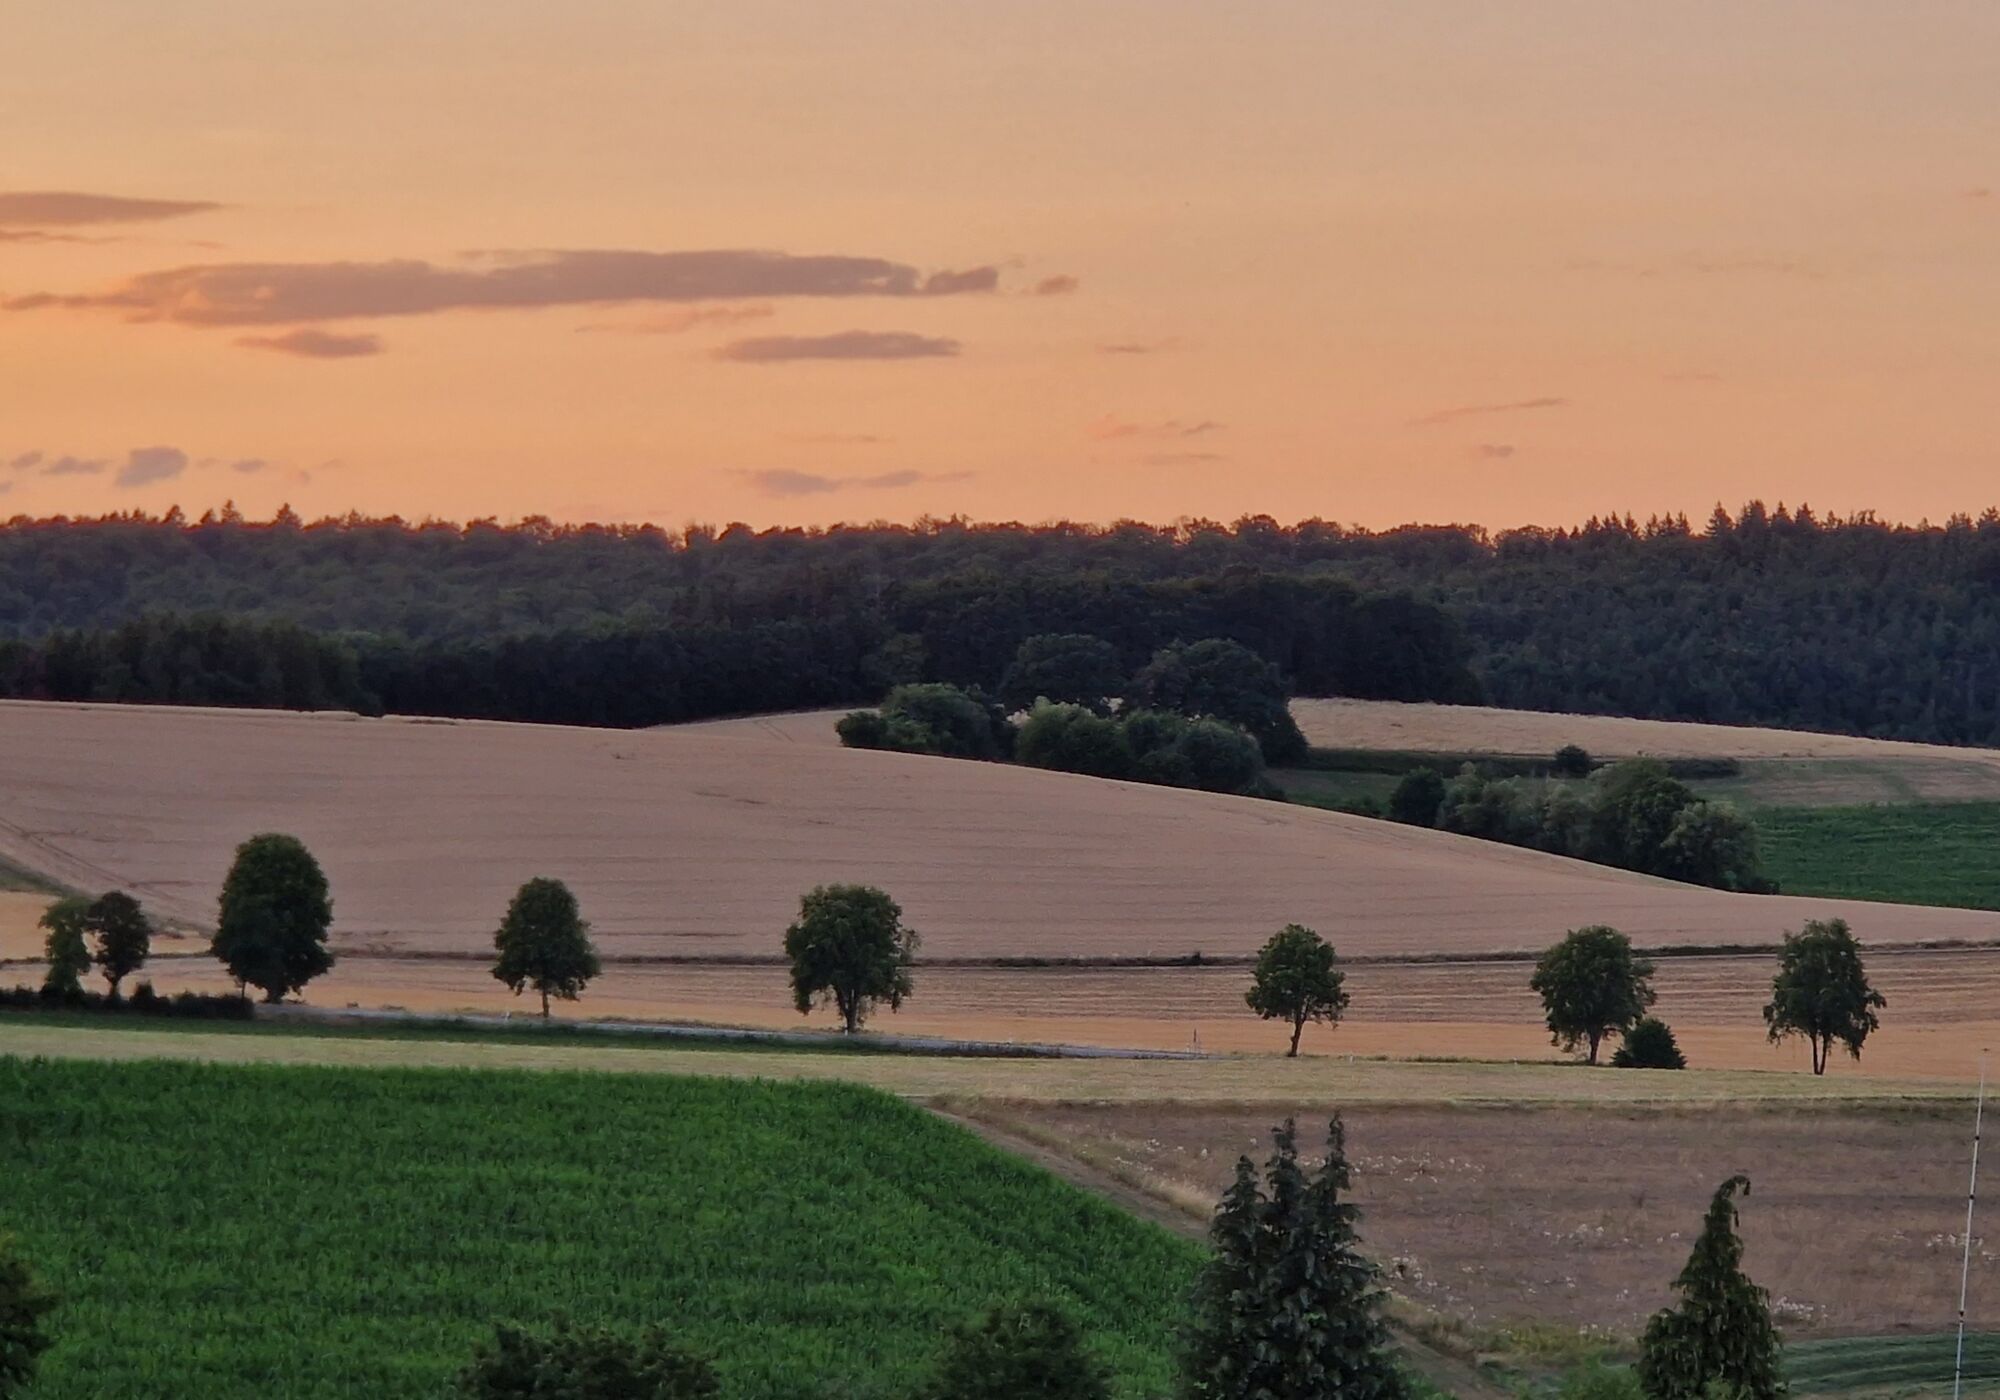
(1767, 616)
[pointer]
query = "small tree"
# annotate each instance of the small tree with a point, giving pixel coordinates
(850, 946)
(544, 943)
(585, 1363)
(1649, 1044)
(67, 954)
(1592, 984)
(1822, 991)
(23, 1304)
(1297, 980)
(1720, 1333)
(275, 913)
(1288, 1308)
(1418, 795)
(1015, 1353)
(123, 936)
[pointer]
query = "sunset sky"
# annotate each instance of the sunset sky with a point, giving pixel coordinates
(1502, 261)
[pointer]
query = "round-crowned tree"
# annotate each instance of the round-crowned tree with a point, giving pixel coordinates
(1418, 795)
(1822, 991)
(123, 933)
(849, 946)
(1014, 1351)
(585, 1363)
(1297, 980)
(1591, 984)
(1065, 667)
(275, 912)
(66, 922)
(544, 943)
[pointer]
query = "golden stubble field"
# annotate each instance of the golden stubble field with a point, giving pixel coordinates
(699, 840)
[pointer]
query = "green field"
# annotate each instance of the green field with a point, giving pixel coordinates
(239, 1231)
(1920, 853)
(1893, 1366)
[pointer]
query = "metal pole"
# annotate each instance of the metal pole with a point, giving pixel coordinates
(1965, 1268)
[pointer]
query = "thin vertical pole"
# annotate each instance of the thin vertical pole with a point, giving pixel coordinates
(1965, 1267)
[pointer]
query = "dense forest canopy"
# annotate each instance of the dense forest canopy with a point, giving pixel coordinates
(1767, 617)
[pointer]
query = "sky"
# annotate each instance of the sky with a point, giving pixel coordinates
(792, 262)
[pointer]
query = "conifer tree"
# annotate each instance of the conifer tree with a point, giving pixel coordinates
(1720, 1334)
(1288, 1309)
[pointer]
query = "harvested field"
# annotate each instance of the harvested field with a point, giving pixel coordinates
(1573, 1218)
(699, 841)
(1223, 1081)
(1385, 724)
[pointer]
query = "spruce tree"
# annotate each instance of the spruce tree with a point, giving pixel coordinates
(1288, 1309)
(1720, 1333)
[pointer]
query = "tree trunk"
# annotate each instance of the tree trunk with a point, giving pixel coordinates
(1819, 1053)
(1595, 1037)
(545, 1002)
(274, 995)
(1298, 1029)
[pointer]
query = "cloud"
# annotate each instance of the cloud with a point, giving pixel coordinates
(64, 208)
(1481, 410)
(75, 466)
(276, 294)
(1493, 451)
(782, 481)
(37, 235)
(1060, 285)
(145, 465)
(1110, 428)
(312, 343)
(25, 460)
(1138, 347)
(677, 322)
(249, 465)
(843, 345)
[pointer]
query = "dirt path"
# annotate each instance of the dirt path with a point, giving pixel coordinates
(1448, 1373)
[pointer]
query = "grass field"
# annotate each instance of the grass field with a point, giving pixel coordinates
(1924, 853)
(815, 1238)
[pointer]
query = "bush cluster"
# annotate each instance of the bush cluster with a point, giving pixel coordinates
(1631, 814)
(1147, 746)
(144, 1001)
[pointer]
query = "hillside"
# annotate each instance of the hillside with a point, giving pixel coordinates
(699, 841)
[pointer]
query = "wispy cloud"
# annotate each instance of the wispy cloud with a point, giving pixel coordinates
(1493, 451)
(145, 465)
(843, 345)
(249, 466)
(684, 320)
(1182, 459)
(312, 343)
(1138, 347)
(783, 481)
(67, 209)
(1110, 428)
(1482, 410)
(1061, 285)
(22, 461)
(276, 294)
(74, 466)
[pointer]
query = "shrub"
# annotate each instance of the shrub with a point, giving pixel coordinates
(201, 1006)
(1571, 761)
(1601, 1382)
(1070, 739)
(1151, 731)
(950, 721)
(863, 729)
(1417, 797)
(1031, 1352)
(1219, 757)
(1229, 681)
(1649, 1044)
(585, 1363)
(23, 1304)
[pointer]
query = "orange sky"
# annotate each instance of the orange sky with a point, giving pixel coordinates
(1370, 260)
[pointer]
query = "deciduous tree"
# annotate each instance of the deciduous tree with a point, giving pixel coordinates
(1822, 991)
(1719, 1336)
(23, 1305)
(850, 946)
(1066, 667)
(64, 949)
(1027, 1352)
(1297, 979)
(585, 1363)
(544, 943)
(123, 934)
(275, 913)
(1592, 984)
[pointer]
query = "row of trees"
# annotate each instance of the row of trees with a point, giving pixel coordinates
(1633, 814)
(270, 930)
(1593, 984)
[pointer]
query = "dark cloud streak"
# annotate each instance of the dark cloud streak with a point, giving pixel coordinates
(843, 345)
